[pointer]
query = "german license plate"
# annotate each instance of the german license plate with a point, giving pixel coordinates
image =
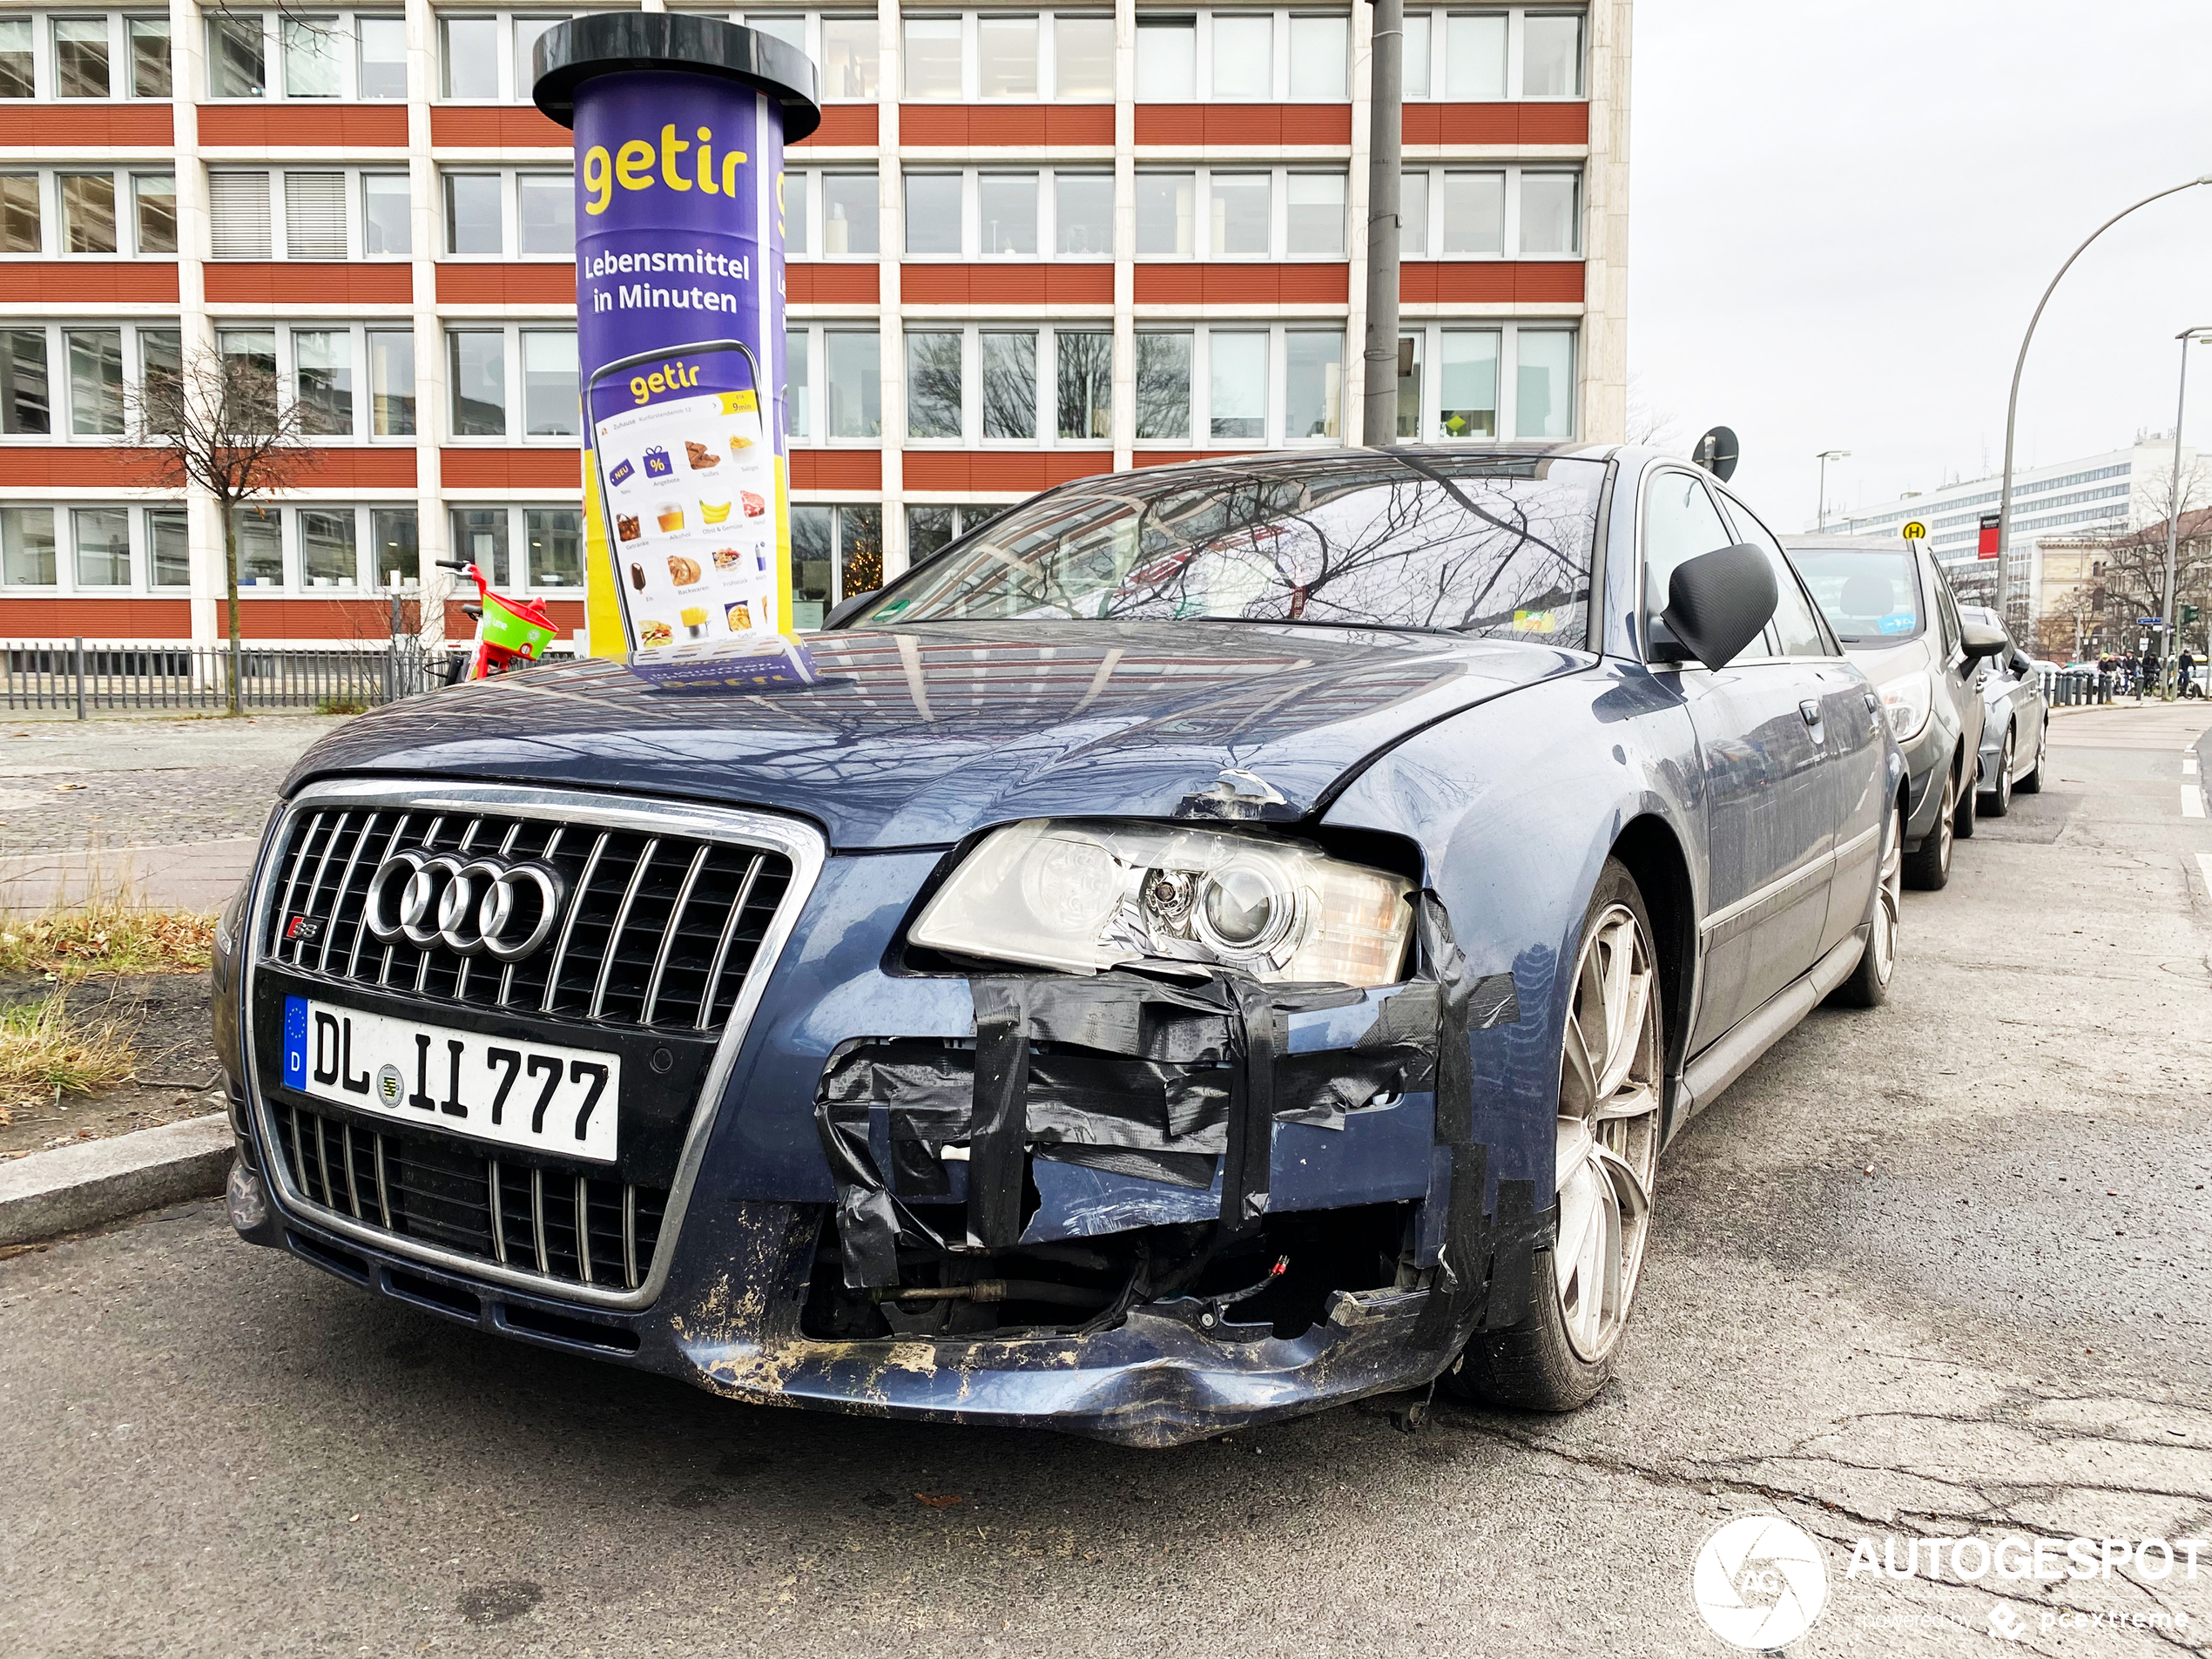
(535, 1096)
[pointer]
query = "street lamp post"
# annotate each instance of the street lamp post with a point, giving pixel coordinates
(1824, 458)
(1379, 399)
(2012, 403)
(2169, 647)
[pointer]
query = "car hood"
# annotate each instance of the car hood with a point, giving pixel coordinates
(918, 736)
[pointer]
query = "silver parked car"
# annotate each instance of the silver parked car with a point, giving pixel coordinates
(2016, 722)
(1890, 606)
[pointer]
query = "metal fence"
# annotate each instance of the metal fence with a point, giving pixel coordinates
(83, 677)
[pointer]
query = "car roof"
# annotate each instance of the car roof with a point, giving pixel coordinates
(1869, 543)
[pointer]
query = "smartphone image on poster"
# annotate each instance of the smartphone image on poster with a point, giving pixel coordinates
(687, 481)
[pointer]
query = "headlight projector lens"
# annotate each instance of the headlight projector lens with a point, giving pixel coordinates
(1245, 909)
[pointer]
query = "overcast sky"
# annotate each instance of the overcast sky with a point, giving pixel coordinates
(1841, 215)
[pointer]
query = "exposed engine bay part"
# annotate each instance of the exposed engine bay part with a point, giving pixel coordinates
(946, 1152)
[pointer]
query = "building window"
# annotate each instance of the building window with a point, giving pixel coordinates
(149, 73)
(17, 72)
(799, 387)
(479, 371)
(154, 195)
(311, 57)
(393, 541)
(1319, 47)
(1241, 215)
(26, 402)
(1516, 379)
(1009, 383)
(933, 213)
(168, 549)
(934, 401)
(554, 536)
(386, 216)
(1167, 59)
(95, 381)
(323, 371)
(238, 215)
(1082, 57)
(484, 362)
(480, 537)
(1006, 57)
(88, 211)
(1084, 361)
(836, 551)
(20, 230)
(1470, 56)
(383, 56)
(473, 50)
(328, 557)
(473, 214)
(853, 365)
(80, 56)
(391, 383)
(545, 213)
(930, 530)
(315, 215)
(102, 537)
(1240, 385)
(27, 546)
(851, 59)
(850, 220)
(237, 58)
(1510, 212)
(933, 55)
(1083, 214)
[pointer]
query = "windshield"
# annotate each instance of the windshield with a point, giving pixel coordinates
(1866, 593)
(1502, 549)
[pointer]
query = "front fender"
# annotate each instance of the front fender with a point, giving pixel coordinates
(1516, 804)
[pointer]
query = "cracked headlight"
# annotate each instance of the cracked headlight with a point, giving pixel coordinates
(1085, 896)
(1907, 700)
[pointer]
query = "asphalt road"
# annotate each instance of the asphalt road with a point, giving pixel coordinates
(1934, 1270)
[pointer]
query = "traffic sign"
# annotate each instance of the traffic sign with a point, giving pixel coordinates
(1914, 531)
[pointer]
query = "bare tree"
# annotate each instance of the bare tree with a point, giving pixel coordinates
(219, 422)
(1648, 424)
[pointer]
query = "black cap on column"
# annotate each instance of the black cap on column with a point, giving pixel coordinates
(612, 43)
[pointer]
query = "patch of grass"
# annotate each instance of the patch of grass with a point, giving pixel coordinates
(44, 1052)
(106, 937)
(341, 706)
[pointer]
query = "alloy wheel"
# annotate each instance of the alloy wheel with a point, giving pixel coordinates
(1946, 821)
(1888, 901)
(1608, 1132)
(2004, 777)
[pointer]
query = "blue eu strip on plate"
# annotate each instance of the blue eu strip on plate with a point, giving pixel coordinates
(295, 1041)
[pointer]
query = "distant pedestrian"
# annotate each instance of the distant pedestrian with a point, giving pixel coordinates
(2188, 669)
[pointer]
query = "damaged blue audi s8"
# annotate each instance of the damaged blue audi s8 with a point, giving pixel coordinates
(1215, 943)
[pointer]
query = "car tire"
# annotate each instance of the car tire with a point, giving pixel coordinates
(1962, 819)
(1606, 1142)
(1998, 801)
(1868, 984)
(2030, 781)
(1928, 868)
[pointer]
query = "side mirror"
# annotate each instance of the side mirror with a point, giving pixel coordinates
(1980, 640)
(1717, 601)
(851, 605)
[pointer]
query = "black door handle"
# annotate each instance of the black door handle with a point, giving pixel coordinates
(1810, 710)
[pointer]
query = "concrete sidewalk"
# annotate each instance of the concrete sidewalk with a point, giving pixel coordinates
(192, 875)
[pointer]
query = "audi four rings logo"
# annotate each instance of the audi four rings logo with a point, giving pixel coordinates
(470, 903)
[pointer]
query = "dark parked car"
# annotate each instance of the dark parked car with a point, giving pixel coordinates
(2016, 721)
(1215, 942)
(1887, 600)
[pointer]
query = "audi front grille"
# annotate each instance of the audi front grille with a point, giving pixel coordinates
(642, 926)
(658, 931)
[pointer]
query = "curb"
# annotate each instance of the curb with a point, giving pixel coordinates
(75, 1187)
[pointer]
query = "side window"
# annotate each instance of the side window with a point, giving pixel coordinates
(1795, 624)
(1680, 521)
(1946, 608)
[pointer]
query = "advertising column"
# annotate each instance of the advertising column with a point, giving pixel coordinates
(680, 125)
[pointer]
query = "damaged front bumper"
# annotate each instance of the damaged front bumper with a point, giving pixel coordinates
(1142, 1210)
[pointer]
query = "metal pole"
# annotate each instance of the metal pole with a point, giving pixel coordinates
(80, 675)
(2011, 402)
(1385, 152)
(2168, 650)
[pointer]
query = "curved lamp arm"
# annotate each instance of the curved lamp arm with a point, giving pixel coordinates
(2012, 403)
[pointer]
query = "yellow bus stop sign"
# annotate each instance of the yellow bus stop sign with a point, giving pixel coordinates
(1915, 530)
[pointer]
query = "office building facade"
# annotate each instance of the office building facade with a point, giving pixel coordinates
(1026, 245)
